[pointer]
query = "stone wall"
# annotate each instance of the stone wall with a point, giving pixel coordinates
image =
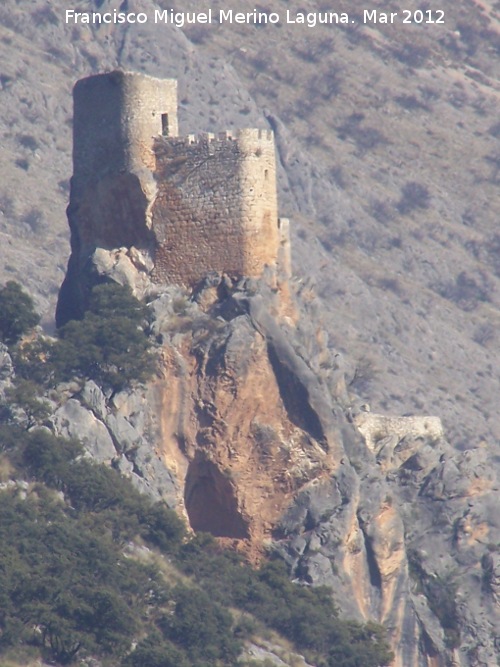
(216, 206)
(192, 205)
(116, 116)
(285, 249)
(375, 427)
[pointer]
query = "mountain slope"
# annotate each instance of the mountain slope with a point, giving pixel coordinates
(388, 145)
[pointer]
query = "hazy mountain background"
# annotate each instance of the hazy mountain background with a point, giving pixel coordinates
(389, 147)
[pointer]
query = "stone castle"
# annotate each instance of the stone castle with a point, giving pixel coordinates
(192, 204)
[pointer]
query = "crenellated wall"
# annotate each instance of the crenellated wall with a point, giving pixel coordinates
(216, 206)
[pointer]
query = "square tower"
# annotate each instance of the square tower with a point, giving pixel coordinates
(216, 206)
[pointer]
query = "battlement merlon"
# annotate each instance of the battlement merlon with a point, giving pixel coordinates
(117, 115)
(263, 138)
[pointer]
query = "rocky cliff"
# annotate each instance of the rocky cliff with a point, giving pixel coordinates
(405, 529)
(251, 432)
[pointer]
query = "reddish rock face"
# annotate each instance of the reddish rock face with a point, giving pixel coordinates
(240, 454)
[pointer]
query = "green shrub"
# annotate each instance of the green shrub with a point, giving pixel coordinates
(202, 627)
(64, 587)
(161, 526)
(306, 616)
(108, 345)
(155, 651)
(413, 196)
(24, 398)
(32, 361)
(94, 488)
(17, 313)
(47, 458)
(467, 291)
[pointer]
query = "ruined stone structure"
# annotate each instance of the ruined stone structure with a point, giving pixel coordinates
(216, 207)
(116, 117)
(192, 205)
(375, 427)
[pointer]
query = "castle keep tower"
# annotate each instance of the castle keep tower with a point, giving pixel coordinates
(192, 205)
(115, 118)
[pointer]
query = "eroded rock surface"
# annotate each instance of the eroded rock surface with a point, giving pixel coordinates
(250, 431)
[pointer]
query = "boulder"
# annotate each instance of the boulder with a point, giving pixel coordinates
(72, 420)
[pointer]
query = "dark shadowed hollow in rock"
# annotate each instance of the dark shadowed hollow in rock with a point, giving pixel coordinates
(296, 400)
(210, 502)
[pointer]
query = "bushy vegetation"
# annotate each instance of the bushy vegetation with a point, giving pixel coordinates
(466, 290)
(66, 585)
(414, 196)
(17, 313)
(23, 405)
(68, 589)
(365, 138)
(108, 345)
(65, 588)
(306, 616)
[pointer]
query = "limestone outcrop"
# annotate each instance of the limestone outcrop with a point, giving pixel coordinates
(242, 434)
